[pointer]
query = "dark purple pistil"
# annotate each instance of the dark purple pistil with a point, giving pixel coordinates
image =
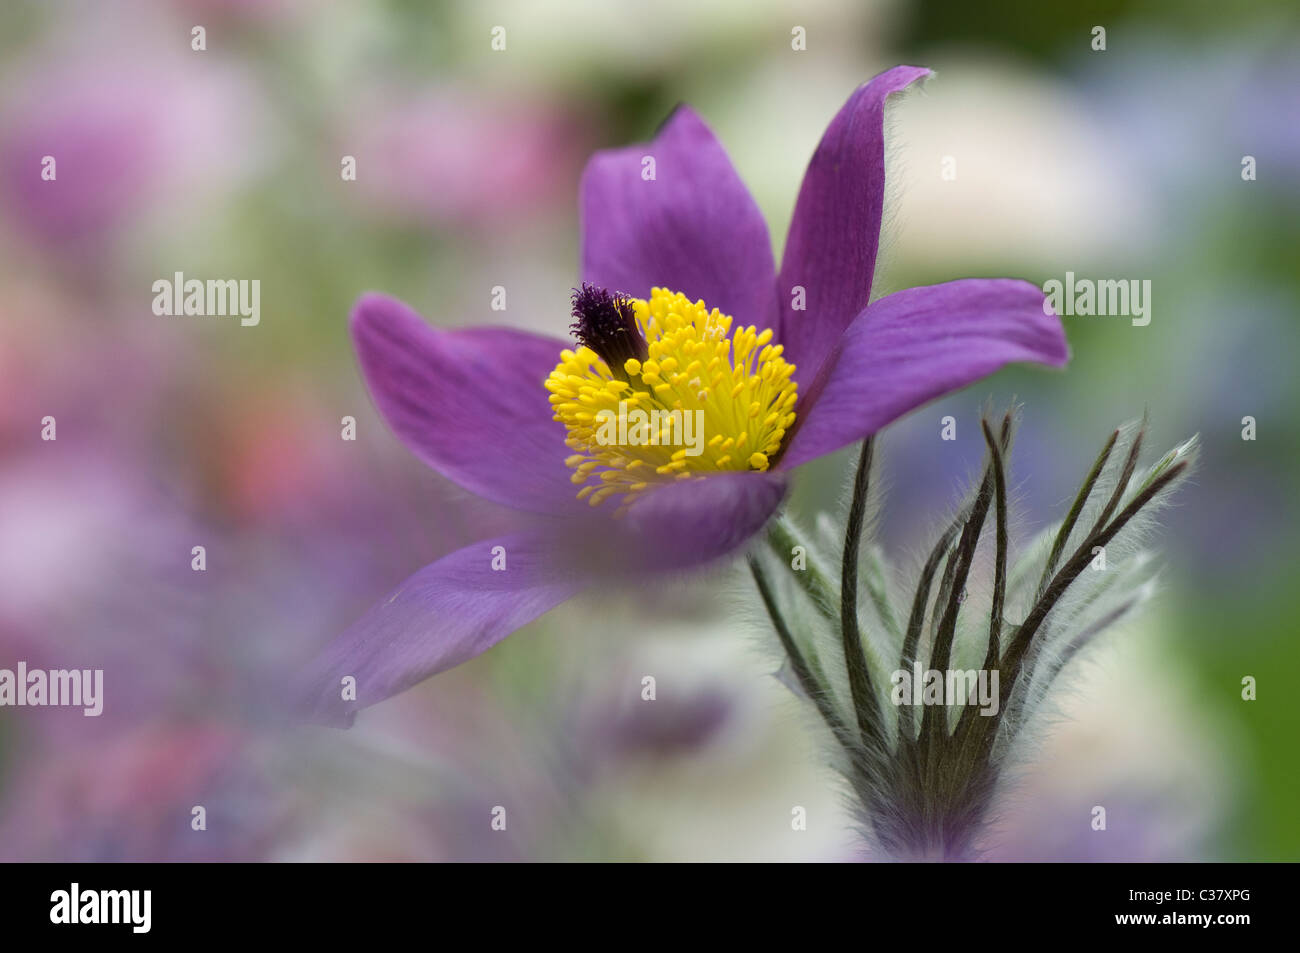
(607, 324)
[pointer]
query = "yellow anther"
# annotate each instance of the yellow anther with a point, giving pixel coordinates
(706, 390)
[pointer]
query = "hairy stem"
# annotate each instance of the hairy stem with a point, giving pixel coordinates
(811, 685)
(1000, 570)
(1070, 571)
(1072, 517)
(855, 660)
(813, 580)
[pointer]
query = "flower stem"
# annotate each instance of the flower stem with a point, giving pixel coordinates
(815, 691)
(994, 652)
(1067, 527)
(855, 660)
(813, 580)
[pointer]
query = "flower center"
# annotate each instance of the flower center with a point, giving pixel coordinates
(663, 390)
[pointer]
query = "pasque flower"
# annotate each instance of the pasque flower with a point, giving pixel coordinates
(681, 308)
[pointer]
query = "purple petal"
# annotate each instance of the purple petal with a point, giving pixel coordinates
(916, 345)
(831, 248)
(445, 614)
(696, 521)
(693, 228)
(459, 606)
(470, 402)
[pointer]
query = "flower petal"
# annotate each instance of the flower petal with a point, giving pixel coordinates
(445, 614)
(460, 606)
(831, 247)
(470, 403)
(911, 347)
(693, 228)
(696, 521)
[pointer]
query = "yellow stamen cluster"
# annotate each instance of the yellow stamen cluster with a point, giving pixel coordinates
(739, 382)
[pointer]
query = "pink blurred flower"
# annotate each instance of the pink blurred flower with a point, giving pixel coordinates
(449, 158)
(130, 132)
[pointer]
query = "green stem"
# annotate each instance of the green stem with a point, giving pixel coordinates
(855, 660)
(812, 580)
(1080, 500)
(817, 692)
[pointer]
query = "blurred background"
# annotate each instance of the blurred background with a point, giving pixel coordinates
(174, 432)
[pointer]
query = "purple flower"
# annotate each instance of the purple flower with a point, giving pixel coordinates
(674, 250)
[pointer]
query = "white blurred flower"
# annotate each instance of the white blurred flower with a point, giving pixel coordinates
(1037, 178)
